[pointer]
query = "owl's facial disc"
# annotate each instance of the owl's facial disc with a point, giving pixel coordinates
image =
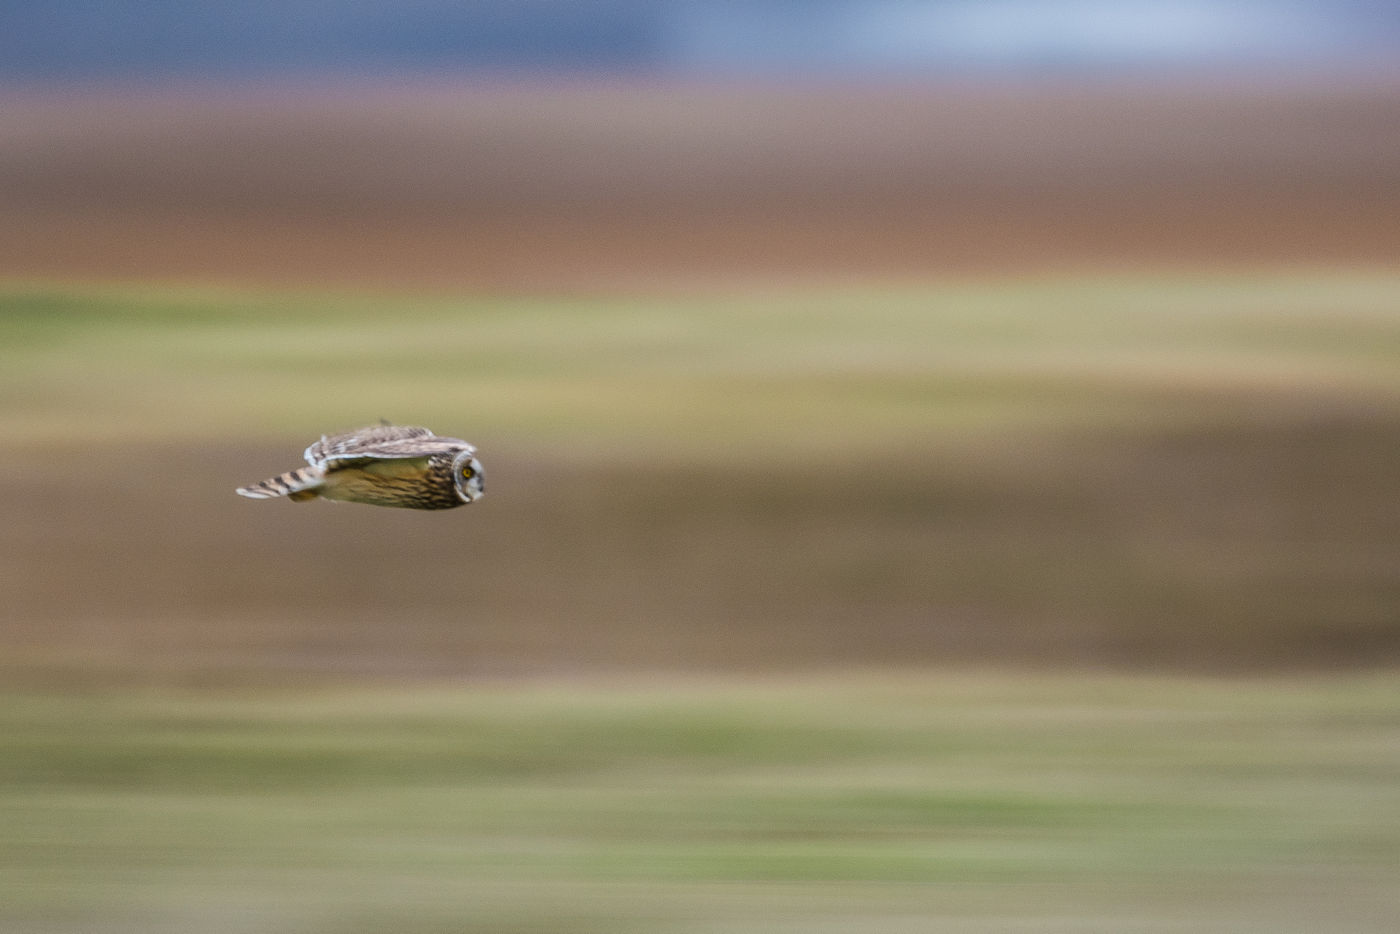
(468, 477)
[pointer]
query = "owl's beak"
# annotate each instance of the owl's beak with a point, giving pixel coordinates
(475, 488)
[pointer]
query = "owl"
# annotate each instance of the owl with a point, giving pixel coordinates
(383, 465)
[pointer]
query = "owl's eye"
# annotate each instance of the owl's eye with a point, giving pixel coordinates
(468, 473)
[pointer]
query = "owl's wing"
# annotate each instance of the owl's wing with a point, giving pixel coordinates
(380, 442)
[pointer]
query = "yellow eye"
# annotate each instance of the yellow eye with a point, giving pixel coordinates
(468, 473)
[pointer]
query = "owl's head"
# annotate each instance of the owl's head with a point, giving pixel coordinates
(467, 476)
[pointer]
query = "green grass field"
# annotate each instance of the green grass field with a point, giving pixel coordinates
(755, 374)
(864, 803)
(787, 611)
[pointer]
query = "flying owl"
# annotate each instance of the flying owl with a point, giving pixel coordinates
(383, 465)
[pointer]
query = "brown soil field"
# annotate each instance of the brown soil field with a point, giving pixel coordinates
(1263, 548)
(604, 185)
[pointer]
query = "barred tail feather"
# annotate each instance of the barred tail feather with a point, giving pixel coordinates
(297, 484)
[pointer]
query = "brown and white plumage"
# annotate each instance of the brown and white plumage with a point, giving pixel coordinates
(383, 465)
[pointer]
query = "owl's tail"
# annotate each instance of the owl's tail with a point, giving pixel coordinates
(296, 485)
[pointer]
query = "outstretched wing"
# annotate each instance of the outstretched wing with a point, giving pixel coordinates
(380, 442)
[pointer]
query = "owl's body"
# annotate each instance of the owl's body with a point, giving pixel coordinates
(383, 465)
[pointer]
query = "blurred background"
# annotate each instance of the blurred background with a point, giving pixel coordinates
(942, 465)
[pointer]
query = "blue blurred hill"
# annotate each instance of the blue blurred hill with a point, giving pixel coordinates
(85, 40)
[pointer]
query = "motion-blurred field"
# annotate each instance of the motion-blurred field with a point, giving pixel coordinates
(1041, 592)
(524, 186)
(899, 803)
(1131, 472)
(206, 725)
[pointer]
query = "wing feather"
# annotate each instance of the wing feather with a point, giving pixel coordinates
(380, 442)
